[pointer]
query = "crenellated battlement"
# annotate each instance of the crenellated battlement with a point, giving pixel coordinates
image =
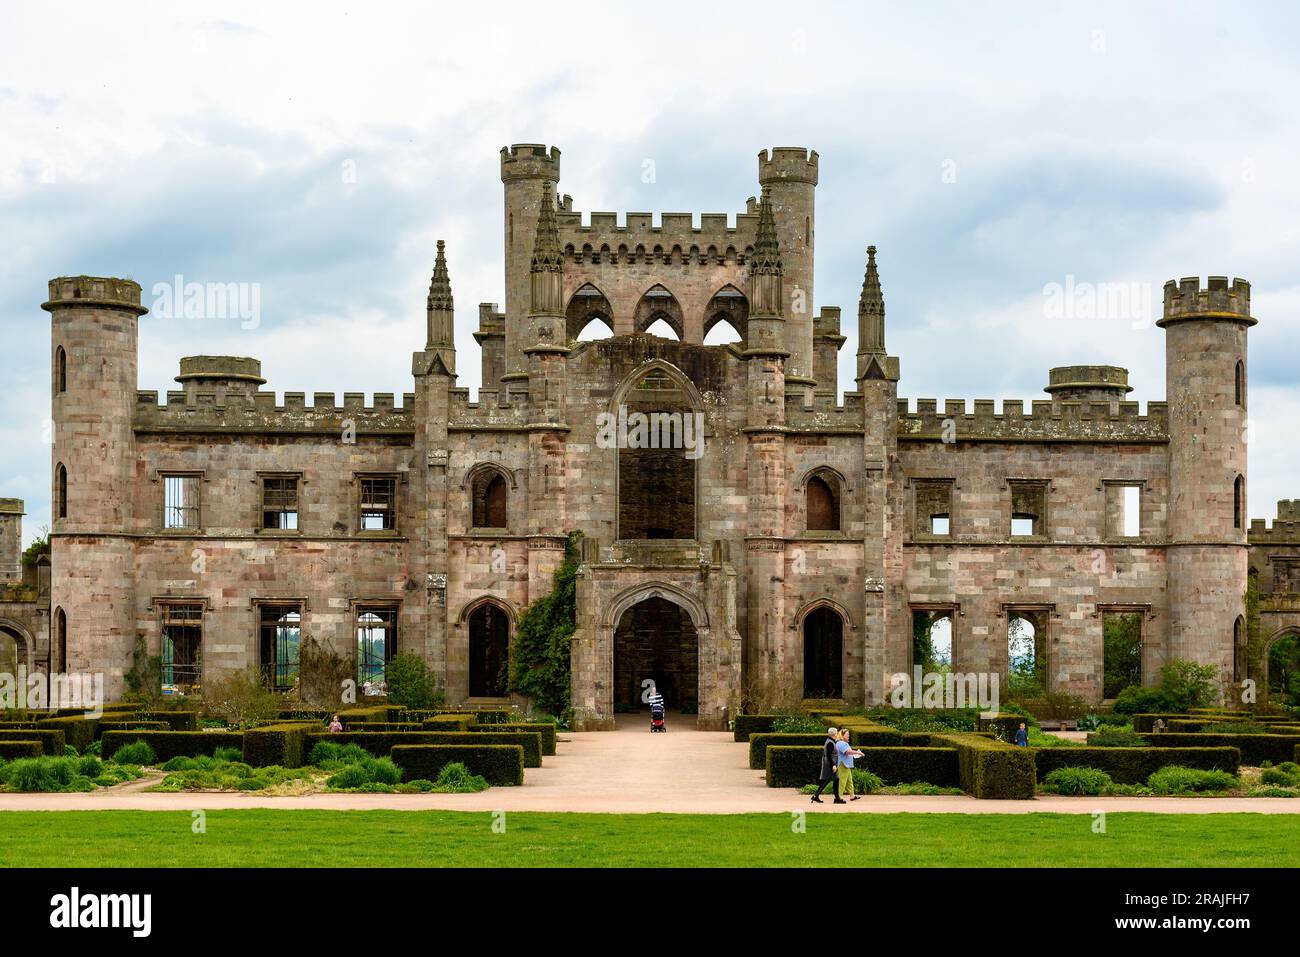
(492, 409)
(1285, 529)
(1047, 421)
(675, 240)
(218, 412)
(823, 413)
(66, 291)
(530, 161)
(787, 164)
(1188, 299)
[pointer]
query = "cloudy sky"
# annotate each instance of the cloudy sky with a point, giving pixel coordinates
(320, 151)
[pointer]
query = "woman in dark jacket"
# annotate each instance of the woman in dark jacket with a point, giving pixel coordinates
(828, 775)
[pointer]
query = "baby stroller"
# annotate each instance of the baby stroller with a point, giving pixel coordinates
(657, 717)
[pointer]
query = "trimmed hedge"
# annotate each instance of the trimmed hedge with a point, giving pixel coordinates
(991, 769)
(284, 744)
(176, 720)
(531, 742)
(1144, 722)
(364, 715)
(1005, 726)
(481, 715)
(172, 744)
(449, 722)
(1135, 765)
(500, 764)
(743, 725)
(20, 749)
(378, 743)
(760, 742)
(126, 724)
(51, 740)
(79, 731)
(793, 765)
(1254, 748)
(545, 728)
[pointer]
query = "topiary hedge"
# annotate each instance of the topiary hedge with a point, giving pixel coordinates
(991, 769)
(78, 730)
(743, 725)
(1144, 722)
(500, 764)
(545, 728)
(127, 724)
(171, 744)
(531, 742)
(283, 744)
(9, 750)
(793, 765)
(1134, 765)
(51, 740)
(1005, 726)
(175, 720)
(1254, 748)
(761, 741)
(373, 714)
(480, 715)
(449, 722)
(378, 743)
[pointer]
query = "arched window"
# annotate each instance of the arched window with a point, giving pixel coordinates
(1240, 379)
(1238, 502)
(823, 654)
(489, 500)
(60, 370)
(1238, 649)
(823, 503)
(61, 637)
(60, 492)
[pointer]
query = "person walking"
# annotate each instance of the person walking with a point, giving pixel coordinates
(846, 754)
(829, 760)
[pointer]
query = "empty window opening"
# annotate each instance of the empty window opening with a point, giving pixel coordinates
(1239, 502)
(823, 654)
(1239, 649)
(1123, 509)
(280, 503)
(1284, 670)
(182, 647)
(1121, 651)
(280, 640)
(1028, 508)
(378, 504)
(823, 504)
(662, 329)
(180, 501)
(934, 507)
(61, 637)
(1027, 651)
(1240, 383)
(722, 332)
(376, 645)
(596, 328)
(61, 491)
(932, 640)
(656, 469)
(60, 370)
(489, 506)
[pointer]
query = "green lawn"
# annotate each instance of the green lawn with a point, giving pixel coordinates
(265, 837)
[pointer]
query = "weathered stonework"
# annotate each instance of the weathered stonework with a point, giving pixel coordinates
(729, 537)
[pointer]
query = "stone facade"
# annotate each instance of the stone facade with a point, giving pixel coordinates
(241, 509)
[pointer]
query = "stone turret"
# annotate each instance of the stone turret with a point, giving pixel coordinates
(525, 167)
(1205, 380)
(788, 176)
(94, 341)
(11, 539)
(1088, 383)
(230, 378)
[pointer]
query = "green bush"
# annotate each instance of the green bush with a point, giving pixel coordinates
(1176, 779)
(991, 769)
(176, 719)
(1079, 780)
(240, 698)
(137, 752)
(78, 730)
(1137, 700)
(281, 745)
(759, 743)
(1134, 765)
(798, 724)
(455, 778)
(378, 743)
(865, 782)
(326, 754)
(921, 719)
(1188, 683)
(539, 665)
(793, 766)
(366, 771)
(168, 744)
(410, 683)
(53, 774)
(1281, 777)
(500, 764)
(1004, 726)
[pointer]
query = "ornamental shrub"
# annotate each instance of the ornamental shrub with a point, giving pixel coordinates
(1083, 781)
(539, 654)
(1176, 779)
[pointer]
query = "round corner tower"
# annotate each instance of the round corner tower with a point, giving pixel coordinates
(789, 174)
(1205, 379)
(525, 169)
(93, 348)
